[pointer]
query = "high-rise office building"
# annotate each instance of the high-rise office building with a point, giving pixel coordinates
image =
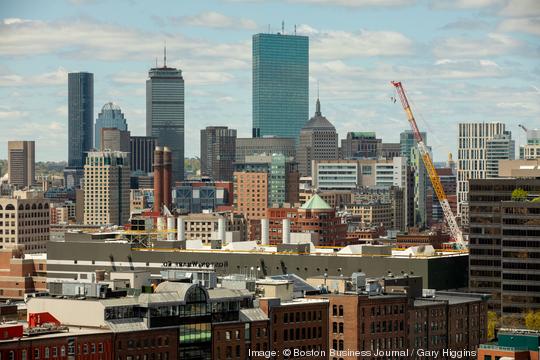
(407, 141)
(501, 147)
(503, 242)
(472, 158)
(318, 141)
(165, 113)
(142, 153)
(218, 152)
(106, 188)
(21, 163)
(264, 145)
(111, 116)
(115, 139)
(360, 145)
(280, 84)
(80, 117)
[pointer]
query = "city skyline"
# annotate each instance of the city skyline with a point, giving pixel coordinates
(467, 61)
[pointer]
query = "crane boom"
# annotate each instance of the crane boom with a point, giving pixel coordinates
(455, 231)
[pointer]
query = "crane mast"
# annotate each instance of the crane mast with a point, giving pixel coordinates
(455, 231)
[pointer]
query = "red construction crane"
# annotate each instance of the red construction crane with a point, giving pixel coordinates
(455, 231)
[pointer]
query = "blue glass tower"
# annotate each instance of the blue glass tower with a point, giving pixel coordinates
(110, 117)
(280, 84)
(80, 117)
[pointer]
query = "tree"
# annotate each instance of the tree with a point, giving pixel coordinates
(532, 320)
(493, 321)
(519, 194)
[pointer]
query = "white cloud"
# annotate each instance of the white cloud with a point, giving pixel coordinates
(519, 8)
(364, 43)
(89, 39)
(464, 4)
(212, 19)
(358, 3)
(493, 44)
(56, 77)
(12, 115)
(524, 25)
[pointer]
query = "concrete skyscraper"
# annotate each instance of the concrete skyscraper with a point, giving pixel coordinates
(473, 140)
(318, 141)
(21, 163)
(165, 113)
(280, 84)
(80, 117)
(218, 152)
(111, 116)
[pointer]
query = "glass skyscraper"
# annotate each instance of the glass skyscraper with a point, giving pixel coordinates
(80, 117)
(165, 113)
(110, 117)
(280, 84)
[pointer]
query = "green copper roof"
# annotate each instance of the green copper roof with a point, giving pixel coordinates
(316, 203)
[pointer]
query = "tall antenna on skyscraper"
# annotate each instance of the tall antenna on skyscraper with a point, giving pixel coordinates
(294, 29)
(165, 54)
(283, 27)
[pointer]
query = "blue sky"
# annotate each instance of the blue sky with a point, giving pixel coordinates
(460, 61)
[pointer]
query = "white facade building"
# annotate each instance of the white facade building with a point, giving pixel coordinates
(472, 158)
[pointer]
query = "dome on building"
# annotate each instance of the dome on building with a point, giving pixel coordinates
(110, 106)
(318, 121)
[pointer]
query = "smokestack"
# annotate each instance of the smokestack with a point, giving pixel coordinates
(286, 231)
(221, 230)
(158, 179)
(160, 227)
(167, 175)
(170, 228)
(265, 239)
(180, 229)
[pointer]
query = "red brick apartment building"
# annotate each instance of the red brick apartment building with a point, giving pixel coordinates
(300, 324)
(394, 314)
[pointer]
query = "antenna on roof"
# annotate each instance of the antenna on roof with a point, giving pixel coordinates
(165, 54)
(156, 62)
(294, 29)
(317, 89)
(283, 27)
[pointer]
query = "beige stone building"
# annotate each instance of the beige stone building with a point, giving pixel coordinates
(203, 226)
(106, 188)
(372, 214)
(24, 221)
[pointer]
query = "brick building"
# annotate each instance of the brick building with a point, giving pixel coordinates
(315, 216)
(237, 339)
(300, 324)
(21, 274)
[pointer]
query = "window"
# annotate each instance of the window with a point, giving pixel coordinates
(334, 327)
(36, 353)
(55, 352)
(227, 335)
(334, 310)
(100, 347)
(340, 310)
